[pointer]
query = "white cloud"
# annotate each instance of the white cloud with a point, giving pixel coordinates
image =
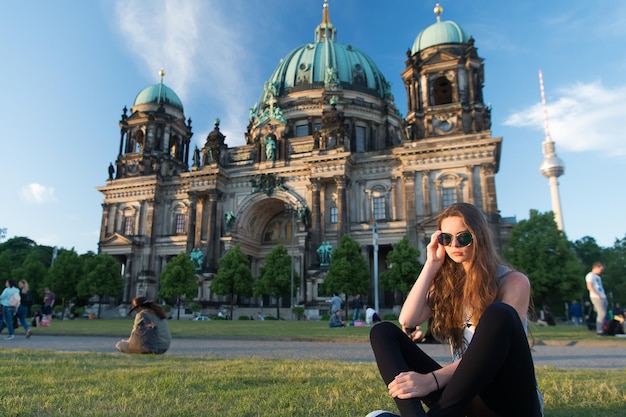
(38, 194)
(584, 117)
(201, 46)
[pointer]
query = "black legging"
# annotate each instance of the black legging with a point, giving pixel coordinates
(495, 377)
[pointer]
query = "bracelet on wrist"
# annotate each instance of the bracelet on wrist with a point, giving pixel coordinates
(436, 381)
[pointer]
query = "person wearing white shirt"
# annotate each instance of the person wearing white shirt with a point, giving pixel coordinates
(597, 294)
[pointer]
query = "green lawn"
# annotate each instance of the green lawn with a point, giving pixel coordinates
(51, 384)
(300, 330)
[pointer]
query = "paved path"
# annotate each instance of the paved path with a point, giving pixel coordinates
(582, 355)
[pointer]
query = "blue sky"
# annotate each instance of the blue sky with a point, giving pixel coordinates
(69, 67)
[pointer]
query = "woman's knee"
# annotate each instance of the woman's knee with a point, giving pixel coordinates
(500, 313)
(384, 329)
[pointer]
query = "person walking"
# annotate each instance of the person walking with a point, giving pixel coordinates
(480, 307)
(597, 295)
(357, 306)
(25, 304)
(9, 307)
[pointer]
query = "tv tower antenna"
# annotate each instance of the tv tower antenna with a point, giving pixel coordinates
(552, 166)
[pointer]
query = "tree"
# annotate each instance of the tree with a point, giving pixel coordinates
(233, 276)
(275, 276)
(32, 271)
(13, 254)
(540, 250)
(348, 272)
(101, 277)
(179, 279)
(588, 251)
(64, 276)
(403, 267)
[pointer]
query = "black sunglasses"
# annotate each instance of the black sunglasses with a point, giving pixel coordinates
(464, 239)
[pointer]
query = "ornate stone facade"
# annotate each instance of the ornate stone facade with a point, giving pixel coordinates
(324, 141)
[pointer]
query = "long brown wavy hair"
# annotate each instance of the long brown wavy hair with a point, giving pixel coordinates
(453, 290)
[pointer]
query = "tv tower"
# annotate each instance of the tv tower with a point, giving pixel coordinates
(552, 166)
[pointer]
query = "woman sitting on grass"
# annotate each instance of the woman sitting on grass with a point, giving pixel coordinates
(151, 332)
(480, 307)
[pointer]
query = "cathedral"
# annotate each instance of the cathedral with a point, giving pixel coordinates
(327, 153)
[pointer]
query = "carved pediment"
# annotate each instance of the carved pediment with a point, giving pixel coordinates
(439, 57)
(116, 240)
(429, 224)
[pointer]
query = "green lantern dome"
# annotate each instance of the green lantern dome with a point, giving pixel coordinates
(326, 61)
(158, 93)
(440, 33)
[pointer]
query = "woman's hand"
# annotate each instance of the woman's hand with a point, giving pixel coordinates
(435, 252)
(411, 385)
(415, 334)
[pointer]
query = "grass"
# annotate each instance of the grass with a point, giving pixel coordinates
(277, 329)
(54, 384)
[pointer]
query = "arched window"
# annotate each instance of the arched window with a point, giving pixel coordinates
(442, 91)
(129, 215)
(450, 188)
(179, 218)
(139, 138)
(180, 224)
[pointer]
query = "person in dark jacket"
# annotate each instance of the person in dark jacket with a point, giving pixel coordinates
(357, 306)
(25, 304)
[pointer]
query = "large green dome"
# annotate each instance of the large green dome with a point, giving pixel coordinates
(155, 93)
(308, 64)
(440, 33)
(313, 65)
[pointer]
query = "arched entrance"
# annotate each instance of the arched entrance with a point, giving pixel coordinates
(266, 221)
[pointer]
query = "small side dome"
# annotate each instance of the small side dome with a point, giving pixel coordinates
(439, 33)
(156, 93)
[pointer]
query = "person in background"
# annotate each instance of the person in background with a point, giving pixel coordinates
(616, 324)
(597, 295)
(336, 320)
(335, 303)
(24, 308)
(357, 306)
(480, 307)
(371, 316)
(8, 311)
(548, 317)
(151, 332)
(37, 318)
(576, 313)
(48, 304)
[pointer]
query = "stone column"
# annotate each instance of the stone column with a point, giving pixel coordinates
(316, 214)
(341, 205)
(490, 205)
(410, 213)
(105, 222)
(393, 191)
(197, 212)
(426, 192)
(213, 223)
(470, 184)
